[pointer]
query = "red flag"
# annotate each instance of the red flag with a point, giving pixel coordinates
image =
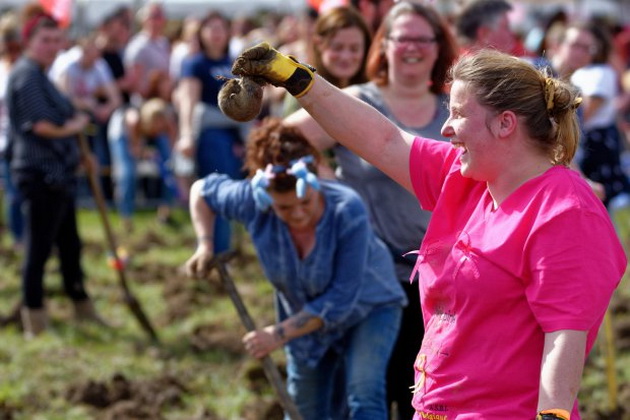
(59, 9)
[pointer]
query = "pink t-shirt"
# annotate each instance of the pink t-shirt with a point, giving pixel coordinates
(492, 282)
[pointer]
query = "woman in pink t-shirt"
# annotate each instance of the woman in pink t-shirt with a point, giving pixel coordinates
(520, 259)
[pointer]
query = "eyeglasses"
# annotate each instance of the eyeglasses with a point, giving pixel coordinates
(406, 41)
(587, 48)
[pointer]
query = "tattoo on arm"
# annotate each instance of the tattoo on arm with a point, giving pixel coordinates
(302, 319)
(279, 332)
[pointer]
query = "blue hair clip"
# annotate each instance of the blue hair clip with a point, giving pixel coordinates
(259, 184)
(299, 169)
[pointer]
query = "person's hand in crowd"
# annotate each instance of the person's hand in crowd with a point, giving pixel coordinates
(186, 145)
(260, 343)
(79, 123)
(198, 266)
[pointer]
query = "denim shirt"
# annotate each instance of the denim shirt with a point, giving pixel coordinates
(348, 273)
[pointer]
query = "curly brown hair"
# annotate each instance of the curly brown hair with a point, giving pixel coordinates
(277, 144)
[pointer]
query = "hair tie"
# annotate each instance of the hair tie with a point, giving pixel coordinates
(549, 92)
(29, 27)
(259, 184)
(299, 169)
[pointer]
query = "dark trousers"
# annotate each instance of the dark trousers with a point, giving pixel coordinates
(400, 372)
(49, 220)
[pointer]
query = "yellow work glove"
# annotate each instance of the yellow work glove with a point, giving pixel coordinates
(276, 68)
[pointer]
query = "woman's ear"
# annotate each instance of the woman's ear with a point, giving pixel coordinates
(506, 123)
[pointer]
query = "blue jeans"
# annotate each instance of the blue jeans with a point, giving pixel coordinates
(13, 210)
(125, 174)
(216, 153)
(355, 372)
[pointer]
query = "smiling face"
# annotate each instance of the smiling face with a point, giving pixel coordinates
(44, 45)
(298, 213)
(411, 48)
(343, 53)
(155, 20)
(470, 127)
(577, 49)
(215, 35)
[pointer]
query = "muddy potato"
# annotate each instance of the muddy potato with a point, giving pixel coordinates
(241, 99)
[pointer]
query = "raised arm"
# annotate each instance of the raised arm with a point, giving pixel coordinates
(310, 129)
(345, 118)
(360, 128)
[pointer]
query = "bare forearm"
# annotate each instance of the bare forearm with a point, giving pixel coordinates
(296, 326)
(561, 372)
(201, 214)
(47, 129)
(310, 129)
(260, 343)
(190, 97)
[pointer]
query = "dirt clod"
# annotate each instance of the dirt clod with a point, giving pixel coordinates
(241, 98)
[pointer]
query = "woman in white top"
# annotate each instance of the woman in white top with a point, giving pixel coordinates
(601, 140)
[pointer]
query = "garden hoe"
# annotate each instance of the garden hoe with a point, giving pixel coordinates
(118, 264)
(270, 368)
(611, 364)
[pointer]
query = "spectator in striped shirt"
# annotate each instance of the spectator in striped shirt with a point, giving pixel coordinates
(45, 157)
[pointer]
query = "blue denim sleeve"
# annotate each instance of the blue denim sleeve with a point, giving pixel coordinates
(349, 269)
(229, 198)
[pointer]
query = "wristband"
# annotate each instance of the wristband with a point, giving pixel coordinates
(554, 414)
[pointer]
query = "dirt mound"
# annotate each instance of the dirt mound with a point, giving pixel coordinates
(210, 337)
(263, 409)
(121, 398)
(7, 412)
(183, 295)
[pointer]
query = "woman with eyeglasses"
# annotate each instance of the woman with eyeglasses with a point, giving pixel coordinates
(407, 65)
(338, 301)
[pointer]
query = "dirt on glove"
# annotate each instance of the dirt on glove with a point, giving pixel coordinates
(241, 99)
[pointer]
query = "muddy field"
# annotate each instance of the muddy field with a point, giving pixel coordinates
(122, 395)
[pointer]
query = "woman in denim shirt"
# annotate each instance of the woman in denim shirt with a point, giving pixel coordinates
(338, 300)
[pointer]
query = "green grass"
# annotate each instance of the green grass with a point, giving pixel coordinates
(37, 377)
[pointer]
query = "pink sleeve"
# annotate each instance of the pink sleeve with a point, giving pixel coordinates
(430, 161)
(576, 262)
